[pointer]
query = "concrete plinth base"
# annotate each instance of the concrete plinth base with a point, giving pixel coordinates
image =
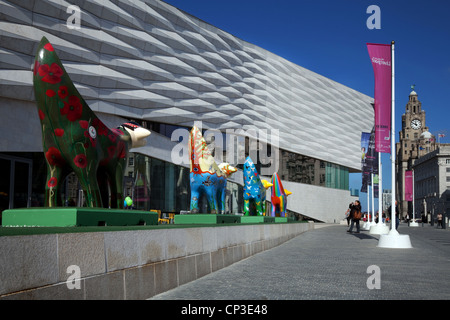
(206, 218)
(368, 225)
(281, 219)
(75, 216)
(379, 229)
(257, 219)
(394, 240)
(413, 224)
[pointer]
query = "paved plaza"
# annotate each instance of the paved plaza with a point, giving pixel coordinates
(329, 263)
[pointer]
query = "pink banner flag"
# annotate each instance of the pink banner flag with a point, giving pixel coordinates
(380, 55)
(408, 185)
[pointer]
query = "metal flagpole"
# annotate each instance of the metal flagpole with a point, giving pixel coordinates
(368, 200)
(393, 222)
(380, 191)
(393, 239)
(413, 223)
(380, 227)
(373, 201)
(366, 225)
(414, 211)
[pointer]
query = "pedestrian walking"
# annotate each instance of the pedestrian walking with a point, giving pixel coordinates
(355, 215)
(439, 220)
(347, 216)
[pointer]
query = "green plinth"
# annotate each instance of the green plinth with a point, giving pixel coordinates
(257, 219)
(74, 216)
(281, 219)
(206, 218)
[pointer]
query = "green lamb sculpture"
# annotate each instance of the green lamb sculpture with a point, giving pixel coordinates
(75, 139)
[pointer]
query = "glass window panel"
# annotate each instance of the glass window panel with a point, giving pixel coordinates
(169, 186)
(38, 180)
(21, 182)
(157, 181)
(141, 198)
(5, 169)
(183, 194)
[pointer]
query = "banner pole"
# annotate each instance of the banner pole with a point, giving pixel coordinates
(380, 227)
(380, 190)
(414, 210)
(413, 223)
(368, 201)
(373, 201)
(393, 239)
(393, 220)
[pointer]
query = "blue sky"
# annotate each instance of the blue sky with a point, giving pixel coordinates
(329, 37)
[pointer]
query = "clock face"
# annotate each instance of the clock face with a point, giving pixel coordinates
(416, 124)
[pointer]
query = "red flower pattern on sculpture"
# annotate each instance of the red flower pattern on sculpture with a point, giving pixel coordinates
(118, 150)
(101, 128)
(112, 136)
(54, 157)
(59, 132)
(50, 93)
(73, 109)
(122, 151)
(49, 47)
(52, 182)
(62, 92)
(80, 161)
(41, 114)
(50, 74)
(84, 124)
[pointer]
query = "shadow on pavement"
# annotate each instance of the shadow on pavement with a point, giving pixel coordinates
(363, 236)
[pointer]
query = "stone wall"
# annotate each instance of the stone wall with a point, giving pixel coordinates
(127, 264)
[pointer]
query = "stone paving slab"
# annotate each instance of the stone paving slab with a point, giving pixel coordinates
(330, 264)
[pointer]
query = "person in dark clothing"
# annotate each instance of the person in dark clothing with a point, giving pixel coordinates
(354, 208)
(439, 220)
(347, 217)
(397, 220)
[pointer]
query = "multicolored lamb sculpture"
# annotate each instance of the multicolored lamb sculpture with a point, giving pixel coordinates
(254, 190)
(206, 176)
(278, 197)
(74, 138)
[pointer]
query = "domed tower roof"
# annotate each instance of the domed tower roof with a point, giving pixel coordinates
(426, 135)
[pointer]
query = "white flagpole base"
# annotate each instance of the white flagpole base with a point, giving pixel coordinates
(413, 224)
(366, 225)
(379, 228)
(394, 240)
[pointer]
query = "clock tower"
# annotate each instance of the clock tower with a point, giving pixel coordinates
(415, 141)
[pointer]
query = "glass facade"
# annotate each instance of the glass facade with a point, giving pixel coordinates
(161, 185)
(292, 167)
(154, 184)
(22, 178)
(302, 169)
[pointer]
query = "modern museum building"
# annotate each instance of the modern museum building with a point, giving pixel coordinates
(149, 62)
